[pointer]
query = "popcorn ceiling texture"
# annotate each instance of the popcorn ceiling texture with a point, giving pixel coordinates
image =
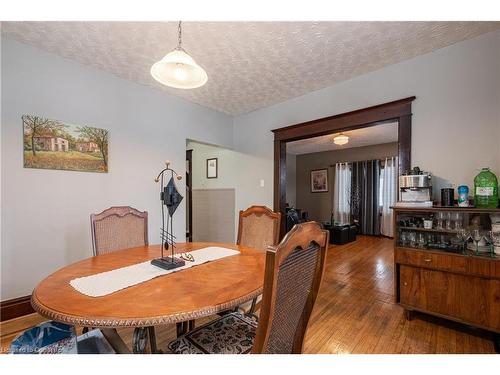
(250, 65)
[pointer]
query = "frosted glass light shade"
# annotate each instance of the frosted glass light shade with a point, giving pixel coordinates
(178, 69)
(341, 139)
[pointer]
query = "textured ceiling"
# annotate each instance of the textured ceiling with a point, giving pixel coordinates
(374, 135)
(250, 65)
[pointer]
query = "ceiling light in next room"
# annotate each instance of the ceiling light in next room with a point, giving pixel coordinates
(341, 139)
(178, 69)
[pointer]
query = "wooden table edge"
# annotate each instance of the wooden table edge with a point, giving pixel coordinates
(104, 322)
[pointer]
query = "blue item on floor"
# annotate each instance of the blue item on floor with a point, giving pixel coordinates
(46, 338)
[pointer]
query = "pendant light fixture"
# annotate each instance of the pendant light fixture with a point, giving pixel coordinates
(178, 69)
(341, 139)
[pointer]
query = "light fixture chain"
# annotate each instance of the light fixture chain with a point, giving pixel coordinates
(179, 29)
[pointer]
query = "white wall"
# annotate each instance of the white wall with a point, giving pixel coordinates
(226, 166)
(456, 118)
(208, 216)
(45, 213)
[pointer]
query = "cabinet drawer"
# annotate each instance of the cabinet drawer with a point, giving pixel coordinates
(485, 267)
(427, 259)
(469, 299)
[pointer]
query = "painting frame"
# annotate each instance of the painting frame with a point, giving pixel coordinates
(212, 168)
(319, 180)
(57, 145)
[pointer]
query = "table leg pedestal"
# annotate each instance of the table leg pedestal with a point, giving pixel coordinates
(115, 340)
(184, 327)
(140, 339)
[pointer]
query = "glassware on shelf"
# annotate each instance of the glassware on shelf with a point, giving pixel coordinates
(421, 242)
(463, 236)
(477, 236)
(429, 238)
(440, 217)
(495, 236)
(443, 240)
(458, 220)
(403, 238)
(412, 238)
(488, 237)
(448, 221)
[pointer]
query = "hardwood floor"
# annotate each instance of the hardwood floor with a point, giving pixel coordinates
(355, 312)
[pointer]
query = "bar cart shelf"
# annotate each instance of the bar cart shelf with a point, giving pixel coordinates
(433, 230)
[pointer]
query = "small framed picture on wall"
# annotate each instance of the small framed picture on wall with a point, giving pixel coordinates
(319, 181)
(212, 168)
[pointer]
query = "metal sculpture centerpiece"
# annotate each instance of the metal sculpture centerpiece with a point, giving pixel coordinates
(170, 198)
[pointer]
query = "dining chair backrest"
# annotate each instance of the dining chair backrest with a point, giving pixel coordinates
(293, 274)
(118, 228)
(259, 227)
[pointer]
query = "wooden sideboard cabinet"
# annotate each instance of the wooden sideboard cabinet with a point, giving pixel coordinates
(438, 273)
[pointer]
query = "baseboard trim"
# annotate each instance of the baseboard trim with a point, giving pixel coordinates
(16, 307)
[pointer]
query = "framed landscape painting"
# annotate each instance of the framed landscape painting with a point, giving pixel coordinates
(319, 181)
(51, 144)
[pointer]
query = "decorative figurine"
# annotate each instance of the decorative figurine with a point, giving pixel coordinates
(170, 197)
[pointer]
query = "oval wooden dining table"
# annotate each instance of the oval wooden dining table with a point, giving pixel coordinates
(181, 296)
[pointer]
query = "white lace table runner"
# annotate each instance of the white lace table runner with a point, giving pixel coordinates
(104, 283)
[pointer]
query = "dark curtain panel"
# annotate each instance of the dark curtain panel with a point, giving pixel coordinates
(365, 194)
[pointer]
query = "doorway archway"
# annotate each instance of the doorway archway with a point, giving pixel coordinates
(399, 110)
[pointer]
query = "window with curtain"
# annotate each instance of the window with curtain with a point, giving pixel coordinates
(365, 206)
(342, 194)
(388, 195)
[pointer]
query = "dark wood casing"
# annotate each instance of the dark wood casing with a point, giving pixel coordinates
(399, 110)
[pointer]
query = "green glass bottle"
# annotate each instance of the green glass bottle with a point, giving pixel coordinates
(486, 189)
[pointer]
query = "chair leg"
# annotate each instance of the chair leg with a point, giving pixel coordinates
(191, 325)
(251, 311)
(182, 328)
(254, 307)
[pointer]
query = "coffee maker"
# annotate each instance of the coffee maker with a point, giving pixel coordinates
(416, 187)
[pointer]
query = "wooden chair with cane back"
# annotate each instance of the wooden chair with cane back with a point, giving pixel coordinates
(258, 227)
(118, 228)
(293, 274)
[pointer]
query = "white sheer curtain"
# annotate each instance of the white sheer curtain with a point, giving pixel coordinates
(388, 195)
(341, 193)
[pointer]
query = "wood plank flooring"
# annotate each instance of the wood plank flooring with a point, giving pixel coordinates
(355, 312)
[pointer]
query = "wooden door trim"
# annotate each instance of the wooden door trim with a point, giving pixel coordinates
(189, 184)
(398, 110)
